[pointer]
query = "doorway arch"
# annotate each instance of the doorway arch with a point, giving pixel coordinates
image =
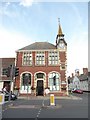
(40, 77)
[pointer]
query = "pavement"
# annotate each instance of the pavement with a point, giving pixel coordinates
(0, 112)
(48, 97)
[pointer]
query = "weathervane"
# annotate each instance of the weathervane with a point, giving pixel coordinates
(59, 20)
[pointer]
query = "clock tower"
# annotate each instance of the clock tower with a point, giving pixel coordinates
(60, 41)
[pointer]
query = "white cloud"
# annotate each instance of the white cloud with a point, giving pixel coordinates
(10, 42)
(48, 0)
(77, 52)
(7, 12)
(7, 3)
(26, 3)
(78, 45)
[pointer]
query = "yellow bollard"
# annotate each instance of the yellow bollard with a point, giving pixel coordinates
(1, 98)
(52, 100)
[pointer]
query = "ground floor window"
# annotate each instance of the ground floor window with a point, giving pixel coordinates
(54, 81)
(26, 81)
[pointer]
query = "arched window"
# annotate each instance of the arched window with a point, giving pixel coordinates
(26, 79)
(54, 81)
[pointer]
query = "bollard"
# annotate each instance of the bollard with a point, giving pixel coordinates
(52, 99)
(2, 98)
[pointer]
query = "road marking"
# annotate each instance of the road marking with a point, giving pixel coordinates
(43, 103)
(26, 106)
(40, 110)
(38, 113)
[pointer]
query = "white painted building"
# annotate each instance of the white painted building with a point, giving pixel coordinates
(80, 82)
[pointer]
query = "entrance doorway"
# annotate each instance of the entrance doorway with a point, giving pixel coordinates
(39, 89)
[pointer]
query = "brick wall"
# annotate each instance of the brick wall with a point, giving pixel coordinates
(46, 68)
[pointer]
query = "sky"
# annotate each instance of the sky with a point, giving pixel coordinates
(23, 22)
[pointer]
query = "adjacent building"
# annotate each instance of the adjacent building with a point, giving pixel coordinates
(43, 65)
(4, 80)
(80, 81)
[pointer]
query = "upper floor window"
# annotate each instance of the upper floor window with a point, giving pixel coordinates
(40, 58)
(53, 58)
(27, 58)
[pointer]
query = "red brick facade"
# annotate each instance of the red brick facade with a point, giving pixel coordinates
(47, 70)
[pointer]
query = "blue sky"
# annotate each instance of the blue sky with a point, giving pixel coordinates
(26, 21)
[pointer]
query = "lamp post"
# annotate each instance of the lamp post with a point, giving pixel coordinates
(11, 75)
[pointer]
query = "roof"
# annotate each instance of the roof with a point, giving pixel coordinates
(60, 30)
(82, 77)
(39, 46)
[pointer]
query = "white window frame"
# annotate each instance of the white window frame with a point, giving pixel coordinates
(23, 89)
(53, 58)
(50, 82)
(40, 58)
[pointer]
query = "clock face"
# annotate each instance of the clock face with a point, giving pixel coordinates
(61, 45)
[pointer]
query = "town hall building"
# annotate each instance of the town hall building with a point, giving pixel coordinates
(43, 65)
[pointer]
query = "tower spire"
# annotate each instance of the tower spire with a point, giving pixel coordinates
(59, 29)
(60, 35)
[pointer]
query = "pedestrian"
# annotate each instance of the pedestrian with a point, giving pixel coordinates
(5, 90)
(47, 91)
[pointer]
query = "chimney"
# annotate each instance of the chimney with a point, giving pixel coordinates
(85, 71)
(72, 75)
(77, 72)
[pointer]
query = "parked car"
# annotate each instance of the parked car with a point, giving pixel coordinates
(13, 96)
(77, 91)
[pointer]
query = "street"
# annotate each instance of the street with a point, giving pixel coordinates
(40, 108)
